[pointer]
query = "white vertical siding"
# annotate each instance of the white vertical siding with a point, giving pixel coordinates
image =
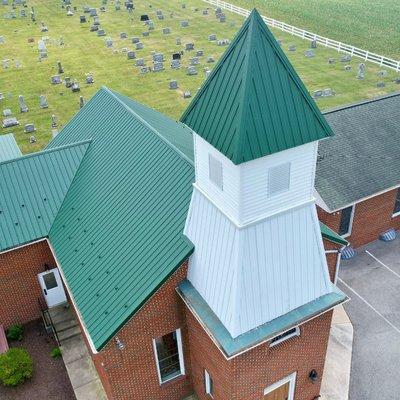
(252, 275)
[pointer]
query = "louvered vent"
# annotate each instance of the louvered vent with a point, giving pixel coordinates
(215, 171)
(279, 179)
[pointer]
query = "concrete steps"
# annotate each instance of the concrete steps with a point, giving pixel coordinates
(64, 322)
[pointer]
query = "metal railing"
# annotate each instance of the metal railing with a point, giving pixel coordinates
(48, 322)
(330, 43)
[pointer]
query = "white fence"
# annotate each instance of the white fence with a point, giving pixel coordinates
(333, 44)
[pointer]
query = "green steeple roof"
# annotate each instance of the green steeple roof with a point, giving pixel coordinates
(254, 103)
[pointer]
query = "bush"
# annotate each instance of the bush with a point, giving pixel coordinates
(15, 332)
(16, 366)
(56, 352)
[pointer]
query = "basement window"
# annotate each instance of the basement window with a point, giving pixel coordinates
(346, 221)
(169, 356)
(285, 336)
(215, 172)
(208, 384)
(278, 179)
(396, 210)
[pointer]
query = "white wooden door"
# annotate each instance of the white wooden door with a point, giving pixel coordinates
(52, 287)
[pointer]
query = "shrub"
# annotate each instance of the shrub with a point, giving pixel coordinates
(16, 366)
(56, 352)
(15, 332)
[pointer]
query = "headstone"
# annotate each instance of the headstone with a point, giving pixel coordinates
(22, 13)
(18, 64)
(176, 56)
(158, 66)
(135, 40)
(347, 68)
(140, 62)
(194, 61)
(29, 128)
(184, 24)
(54, 133)
(178, 41)
(396, 81)
(75, 87)
(68, 82)
(144, 17)
(144, 70)
(207, 72)
(212, 37)
(158, 57)
(223, 42)
(22, 106)
(123, 35)
(131, 55)
(381, 73)
(175, 64)
(191, 70)
(292, 47)
(109, 42)
(89, 79)
(187, 95)
(210, 59)
(102, 9)
(53, 121)
(43, 101)
(59, 67)
(189, 46)
(345, 58)
(313, 44)
(205, 12)
(93, 12)
(101, 32)
(9, 122)
(361, 71)
(145, 33)
(328, 92)
(56, 80)
(94, 28)
(222, 18)
(166, 31)
(6, 64)
(96, 20)
(70, 13)
(317, 94)
(7, 112)
(81, 102)
(151, 26)
(139, 46)
(173, 84)
(331, 60)
(32, 139)
(82, 19)
(199, 53)
(309, 53)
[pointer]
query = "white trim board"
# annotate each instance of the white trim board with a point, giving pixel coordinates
(292, 384)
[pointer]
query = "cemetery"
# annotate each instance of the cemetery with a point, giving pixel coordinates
(58, 55)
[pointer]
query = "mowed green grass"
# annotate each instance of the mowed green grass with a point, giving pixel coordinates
(370, 25)
(84, 52)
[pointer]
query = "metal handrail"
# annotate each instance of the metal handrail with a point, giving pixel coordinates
(44, 310)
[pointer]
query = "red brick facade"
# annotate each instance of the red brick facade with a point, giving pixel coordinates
(371, 217)
(19, 285)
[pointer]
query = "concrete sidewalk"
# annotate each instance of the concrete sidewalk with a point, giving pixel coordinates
(336, 379)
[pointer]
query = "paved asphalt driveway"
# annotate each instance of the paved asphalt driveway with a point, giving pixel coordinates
(372, 280)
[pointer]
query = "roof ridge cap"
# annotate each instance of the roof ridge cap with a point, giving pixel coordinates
(146, 124)
(46, 151)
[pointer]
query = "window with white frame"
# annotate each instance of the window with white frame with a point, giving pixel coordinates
(396, 210)
(215, 172)
(346, 221)
(169, 356)
(208, 384)
(285, 336)
(278, 179)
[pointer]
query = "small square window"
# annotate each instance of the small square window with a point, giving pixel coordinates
(279, 179)
(169, 356)
(215, 171)
(208, 384)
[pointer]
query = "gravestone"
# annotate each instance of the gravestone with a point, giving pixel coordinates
(93, 12)
(166, 31)
(81, 102)
(123, 35)
(207, 72)
(347, 68)
(10, 122)
(327, 92)
(109, 42)
(317, 94)
(59, 67)
(75, 87)
(212, 37)
(56, 80)
(223, 42)
(199, 53)
(22, 106)
(158, 57)
(70, 13)
(6, 64)
(86, 9)
(184, 24)
(210, 59)
(22, 13)
(68, 82)
(18, 64)
(140, 62)
(191, 70)
(345, 58)
(96, 21)
(82, 19)
(144, 70)
(194, 61)
(292, 47)
(43, 101)
(139, 46)
(135, 40)
(151, 26)
(382, 73)
(396, 81)
(222, 18)
(102, 9)
(173, 84)
(101, 32)
(146, 33)
(158, 66)
(205, 12)
(189, 46)
(160, 17)
(131, 55)
(32, 139)
(176, 56)
(29, 128)
(175, 64)
(187, 95)
(309, 53)
(94, 28)
(313, 44)
(53, 121)
(178, 41)
(361, 71)
(331, 60)
(7, 112)
(144, 17)
(89, 79)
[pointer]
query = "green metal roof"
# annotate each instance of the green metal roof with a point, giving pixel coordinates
(119, 233)
(363, 157)
(332, 236)
(233, 346)
(254, 103)
(8, 147)
(32, 189)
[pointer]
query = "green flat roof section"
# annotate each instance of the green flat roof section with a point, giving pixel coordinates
(232, 347)
(8, 148)
(332, 236)
(119, 233)
(362, 159)
(253, 103)
(32, 189)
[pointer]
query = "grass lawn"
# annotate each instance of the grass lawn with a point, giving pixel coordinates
(370, 25)
(84, 52)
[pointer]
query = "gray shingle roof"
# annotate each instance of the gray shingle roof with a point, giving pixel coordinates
(362, 159)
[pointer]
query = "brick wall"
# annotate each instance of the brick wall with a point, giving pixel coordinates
(131, 373)
(19, 286)
(246, 376)
(371, 217)
(331, 258)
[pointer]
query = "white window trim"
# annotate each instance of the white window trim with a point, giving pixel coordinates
(270, 171)
(351, 221)
(181, 358)
(291, 378)
(207, 383)
(294, 334)
(396, 214)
